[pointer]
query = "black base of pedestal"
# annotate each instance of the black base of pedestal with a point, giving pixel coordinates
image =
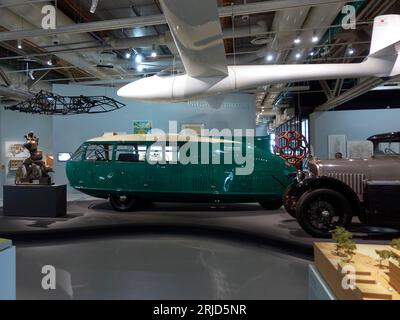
(35, 201)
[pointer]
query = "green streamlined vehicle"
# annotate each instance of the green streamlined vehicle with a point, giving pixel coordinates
(122, 168)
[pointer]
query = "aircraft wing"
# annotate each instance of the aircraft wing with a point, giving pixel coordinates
(196, 29)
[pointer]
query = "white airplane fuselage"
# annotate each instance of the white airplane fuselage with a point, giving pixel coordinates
(184, 87)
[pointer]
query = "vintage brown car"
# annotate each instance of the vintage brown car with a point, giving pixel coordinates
(334, 191)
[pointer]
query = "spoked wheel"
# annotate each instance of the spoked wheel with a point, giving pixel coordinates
(320, 211)
(122, 203)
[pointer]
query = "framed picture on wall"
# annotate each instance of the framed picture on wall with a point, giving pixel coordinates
(196, 127)
(337, 144)
(16, 150)
(142, 126)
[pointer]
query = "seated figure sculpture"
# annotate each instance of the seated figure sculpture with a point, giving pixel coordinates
(34, 170)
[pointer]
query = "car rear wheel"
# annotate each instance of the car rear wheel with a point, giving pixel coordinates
(122, 203)
(273, 204)
(320, 211)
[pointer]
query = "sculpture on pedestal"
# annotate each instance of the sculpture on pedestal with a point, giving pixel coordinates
(34, 170)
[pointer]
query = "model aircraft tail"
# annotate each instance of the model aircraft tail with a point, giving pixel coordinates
(385, 43)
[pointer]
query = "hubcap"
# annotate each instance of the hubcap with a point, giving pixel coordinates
(324, 215)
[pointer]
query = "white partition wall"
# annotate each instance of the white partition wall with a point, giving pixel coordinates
(357, 125)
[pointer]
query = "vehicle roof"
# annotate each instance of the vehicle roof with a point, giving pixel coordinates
(390, 136)
(154, 138)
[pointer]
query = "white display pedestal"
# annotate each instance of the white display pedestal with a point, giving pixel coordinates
(318, 289)
(7, 272)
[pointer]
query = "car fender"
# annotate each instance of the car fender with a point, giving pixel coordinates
(324, 182)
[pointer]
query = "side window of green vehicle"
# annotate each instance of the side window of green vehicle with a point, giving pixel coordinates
(99, 152)
(131, 153)
(163, 153)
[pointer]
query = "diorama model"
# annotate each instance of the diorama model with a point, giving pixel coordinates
(196, 29)
(117, 167)
(359, 271)
(337, 190)
(34, 170)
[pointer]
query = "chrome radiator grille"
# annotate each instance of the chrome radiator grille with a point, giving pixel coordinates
(354, 180)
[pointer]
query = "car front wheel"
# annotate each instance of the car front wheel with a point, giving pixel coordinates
(122, 203)
(320, 211)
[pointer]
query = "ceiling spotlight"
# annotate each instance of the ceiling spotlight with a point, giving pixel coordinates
(140, 68)
(93, 7)
(351, 51)
(153, 54)
(297, 40)
(315, 38)
(49, 62)
(270, 57)
(128, 55)
(138, 58)
(312, 53)
(19, 44)
(298, 55)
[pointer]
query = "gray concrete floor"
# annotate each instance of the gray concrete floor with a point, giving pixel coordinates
(150, 266)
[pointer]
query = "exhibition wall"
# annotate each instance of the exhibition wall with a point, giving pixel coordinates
(356, 125)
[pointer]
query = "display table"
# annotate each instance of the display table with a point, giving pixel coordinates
(7, 270)
(35, 200)
(318, 289)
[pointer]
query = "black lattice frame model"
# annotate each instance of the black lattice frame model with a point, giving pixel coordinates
(53, 104)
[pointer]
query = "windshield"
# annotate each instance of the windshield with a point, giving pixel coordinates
(388, 148)
(77, 155)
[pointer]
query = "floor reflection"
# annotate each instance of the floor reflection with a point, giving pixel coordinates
(160, 267)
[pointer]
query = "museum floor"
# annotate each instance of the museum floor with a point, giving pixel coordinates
(166, 251)
(155, 266)
(249, 221)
